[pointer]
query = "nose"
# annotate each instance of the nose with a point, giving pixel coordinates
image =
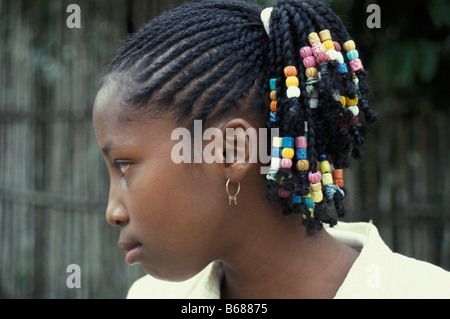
(116, 213)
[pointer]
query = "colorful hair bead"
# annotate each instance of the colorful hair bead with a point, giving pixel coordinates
(317, 47)
(292, 81)
(293, 91)
(273, 84)
(286, 162)
(276, 152)
(306, 51)
(338, 177)
(288, 153)
(315, 177)
(277, 142)
(322, 57)
(356, 65)
(337, 46)
(273, 106)
(287, 142)
(313, 37)
(328, 45)
(352, 54)
(311, 72)
(325, 35)
(349, 45)
(327, 179)
(296, 199)
(309, 62)
(325, 167)
(302, 165)
(273, 95)
(301, 153)
(301, 142)
(290, 71)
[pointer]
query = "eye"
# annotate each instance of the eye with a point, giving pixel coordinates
(122, 166)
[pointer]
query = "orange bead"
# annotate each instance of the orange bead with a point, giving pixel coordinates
(290, 71)
(273, 106)
(338, 173)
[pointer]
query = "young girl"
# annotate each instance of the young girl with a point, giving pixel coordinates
(220, 228)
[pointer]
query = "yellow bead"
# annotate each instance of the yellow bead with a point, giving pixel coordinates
(317, 187)
(350, 102)
(325, 35)
(287, 153)
(327, 179)
(349, 45)
(343, 101)
(317, 197)
(325, 167)
(273, 95)
(328, 45)
(311, 72)
(313, 38)
(292, 81)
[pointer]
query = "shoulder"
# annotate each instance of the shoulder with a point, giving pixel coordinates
(380, 273)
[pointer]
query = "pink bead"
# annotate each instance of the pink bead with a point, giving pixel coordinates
(317, 47)
(283, 193)
(356, 65)
(309, 62)
(337, 46)
(306, 51)
(286, 163)
(315, 178)
(322, 57)
(300, 142)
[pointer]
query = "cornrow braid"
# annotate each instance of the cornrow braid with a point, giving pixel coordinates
(206, 59)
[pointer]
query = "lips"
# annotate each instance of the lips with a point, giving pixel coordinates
(132, 250)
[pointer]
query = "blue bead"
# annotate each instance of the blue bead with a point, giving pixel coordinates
(300, 153)
(273, 116)
(309, 202)
(296, 199)
(352, 54)
(322, 157)
(276, 152)
(273, 84)
(342, 68)
(288, 142)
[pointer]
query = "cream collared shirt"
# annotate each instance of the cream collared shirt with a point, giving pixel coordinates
(377, 273)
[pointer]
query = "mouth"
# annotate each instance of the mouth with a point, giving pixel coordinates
(132, 251)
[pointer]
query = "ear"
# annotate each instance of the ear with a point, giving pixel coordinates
(240, 151)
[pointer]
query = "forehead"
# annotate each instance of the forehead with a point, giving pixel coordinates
(115, 122)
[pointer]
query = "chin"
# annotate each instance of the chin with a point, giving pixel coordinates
(169, 274)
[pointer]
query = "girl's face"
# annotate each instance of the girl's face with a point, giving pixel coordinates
(172, 216)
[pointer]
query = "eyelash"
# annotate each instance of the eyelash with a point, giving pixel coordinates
(121, 166)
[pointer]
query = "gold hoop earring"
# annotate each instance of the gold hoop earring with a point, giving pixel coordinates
(232, 197)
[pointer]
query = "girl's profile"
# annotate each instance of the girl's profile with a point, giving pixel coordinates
(222, 229)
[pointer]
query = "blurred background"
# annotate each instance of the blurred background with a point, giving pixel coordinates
(54, 183)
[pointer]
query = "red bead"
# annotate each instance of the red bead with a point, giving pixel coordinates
(322, 57)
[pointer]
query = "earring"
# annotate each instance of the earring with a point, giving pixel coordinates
(232, 197)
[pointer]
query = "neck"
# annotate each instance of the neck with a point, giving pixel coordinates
(274, 258)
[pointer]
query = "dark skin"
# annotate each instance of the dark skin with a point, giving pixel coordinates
(178, 218)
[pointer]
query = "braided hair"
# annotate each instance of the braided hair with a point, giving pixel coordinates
(203, 60)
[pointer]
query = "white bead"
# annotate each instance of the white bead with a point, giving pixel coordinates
(293, 91)
(339, 57)
(275, 163)
(332, 53)
(277, 142)
(354, 109)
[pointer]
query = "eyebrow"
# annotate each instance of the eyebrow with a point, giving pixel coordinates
(107, 148)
